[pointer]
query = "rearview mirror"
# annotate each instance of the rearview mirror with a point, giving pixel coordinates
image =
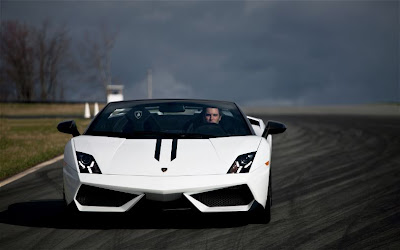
(68, 127)
(172, 108)
(274, 127)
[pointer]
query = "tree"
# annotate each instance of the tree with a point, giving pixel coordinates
(33, 60)
(17, 63)
(96, 52)
(51, 50)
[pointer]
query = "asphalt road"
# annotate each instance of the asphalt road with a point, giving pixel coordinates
(335, 181)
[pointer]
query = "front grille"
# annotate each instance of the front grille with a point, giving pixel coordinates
(180, 204)
(94, 196)
(232, 196)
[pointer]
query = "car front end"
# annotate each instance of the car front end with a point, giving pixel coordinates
(93, 183)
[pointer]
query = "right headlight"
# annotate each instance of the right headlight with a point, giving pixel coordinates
(87, 163)
(242, 163)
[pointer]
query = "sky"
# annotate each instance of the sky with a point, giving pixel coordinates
(255, 53)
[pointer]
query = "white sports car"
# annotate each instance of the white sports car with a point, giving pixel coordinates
(177, 154)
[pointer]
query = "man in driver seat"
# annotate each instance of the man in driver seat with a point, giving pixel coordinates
(212, 115)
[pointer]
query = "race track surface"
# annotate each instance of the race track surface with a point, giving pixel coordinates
(335, 181)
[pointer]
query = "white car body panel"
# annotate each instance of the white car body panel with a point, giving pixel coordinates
(119, 156)
(163, 187)
(202, 175)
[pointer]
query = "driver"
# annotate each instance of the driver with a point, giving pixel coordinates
(212, 115)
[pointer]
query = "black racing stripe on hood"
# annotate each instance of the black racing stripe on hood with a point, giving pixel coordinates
(158, 150)
(174, 147)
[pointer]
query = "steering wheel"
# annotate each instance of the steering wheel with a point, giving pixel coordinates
(210, 129)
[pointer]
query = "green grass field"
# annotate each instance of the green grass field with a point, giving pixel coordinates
(27, 142)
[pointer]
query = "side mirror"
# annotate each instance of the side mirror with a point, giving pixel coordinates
(68, 127)
(273, 127)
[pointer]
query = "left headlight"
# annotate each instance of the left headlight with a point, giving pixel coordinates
(87, 163)
(242, 163)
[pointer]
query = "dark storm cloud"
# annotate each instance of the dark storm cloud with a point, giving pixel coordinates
(252, 52)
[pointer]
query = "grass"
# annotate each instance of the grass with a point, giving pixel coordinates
(25, 143)
(44, 109)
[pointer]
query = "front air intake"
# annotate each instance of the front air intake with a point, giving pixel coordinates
(94, 196)
(232, 196)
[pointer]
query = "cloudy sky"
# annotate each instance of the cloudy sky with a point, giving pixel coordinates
(250, 52)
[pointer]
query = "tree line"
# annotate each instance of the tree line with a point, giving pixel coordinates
(36, 61)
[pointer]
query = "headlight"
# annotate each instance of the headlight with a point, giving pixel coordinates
(242, 164)
(87, 163)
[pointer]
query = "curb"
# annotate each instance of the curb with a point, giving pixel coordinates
(30, 170)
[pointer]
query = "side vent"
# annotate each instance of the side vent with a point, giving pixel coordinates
(94, 196)
(254, 122)
(231, 196)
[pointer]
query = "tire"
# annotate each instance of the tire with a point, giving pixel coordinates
(261, 215)
(70, 209)
(268, 204)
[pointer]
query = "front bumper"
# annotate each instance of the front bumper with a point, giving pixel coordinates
(208, 193)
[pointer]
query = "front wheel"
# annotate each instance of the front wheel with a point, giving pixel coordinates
(260, 214)
(69, 209)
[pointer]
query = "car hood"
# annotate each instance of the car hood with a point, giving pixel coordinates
(165, 157)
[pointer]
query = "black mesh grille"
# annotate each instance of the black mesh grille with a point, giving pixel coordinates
(232, 196)
(180, 204)
(94, 196)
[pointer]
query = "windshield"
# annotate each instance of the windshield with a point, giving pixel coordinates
(170, 119)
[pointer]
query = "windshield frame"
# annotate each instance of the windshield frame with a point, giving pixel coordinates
(161, 134)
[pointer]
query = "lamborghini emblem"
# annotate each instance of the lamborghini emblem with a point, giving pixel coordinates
(138, 114)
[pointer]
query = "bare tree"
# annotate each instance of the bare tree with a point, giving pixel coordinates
(7, 90)
(17, 61)
(33, 59)
(96, 51)
(52, 49)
